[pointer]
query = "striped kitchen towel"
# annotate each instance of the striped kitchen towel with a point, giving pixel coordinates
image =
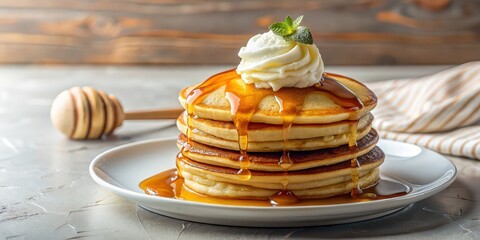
(440, 111)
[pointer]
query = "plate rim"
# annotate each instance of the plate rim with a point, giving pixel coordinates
(127, 192)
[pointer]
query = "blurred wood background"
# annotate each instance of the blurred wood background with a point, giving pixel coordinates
(358, 32)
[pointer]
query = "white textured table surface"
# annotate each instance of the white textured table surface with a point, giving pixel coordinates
(47, 193)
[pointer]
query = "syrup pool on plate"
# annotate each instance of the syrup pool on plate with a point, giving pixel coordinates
(168, 184)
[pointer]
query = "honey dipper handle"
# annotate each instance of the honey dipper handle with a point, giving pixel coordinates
(154, 114)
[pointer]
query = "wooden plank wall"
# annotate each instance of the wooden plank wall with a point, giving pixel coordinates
(359, 32)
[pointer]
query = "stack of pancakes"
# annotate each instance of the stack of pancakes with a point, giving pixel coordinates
(317, 145)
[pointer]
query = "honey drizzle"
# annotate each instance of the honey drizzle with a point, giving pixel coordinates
(356, 104)
(197, 95)
(288, 111)
(354, 164)
(244, 100)
(242, 97)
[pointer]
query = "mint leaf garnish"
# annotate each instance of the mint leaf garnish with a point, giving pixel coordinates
(297, 22)
(302, 35)
(288, 20)
(291, 30)
(281, 29)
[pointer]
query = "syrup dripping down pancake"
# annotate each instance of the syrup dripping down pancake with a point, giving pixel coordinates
(370, 160)
(234, 191)
(261, 132)
(318, 106)
(316, 182)
(269, 161)
(274, 146)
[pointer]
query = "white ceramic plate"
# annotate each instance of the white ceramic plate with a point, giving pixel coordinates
(121, 169)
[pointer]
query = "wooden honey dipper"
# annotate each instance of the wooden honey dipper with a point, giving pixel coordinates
(86, 113)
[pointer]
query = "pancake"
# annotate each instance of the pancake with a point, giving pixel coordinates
(325, 130)
(228, 190)
(369, 161)
(320, 182)
(273, 186)
(269, 161)
(275, 146)
(260, 132)
(318, 107)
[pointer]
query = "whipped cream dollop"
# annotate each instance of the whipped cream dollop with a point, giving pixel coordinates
(269, 61)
